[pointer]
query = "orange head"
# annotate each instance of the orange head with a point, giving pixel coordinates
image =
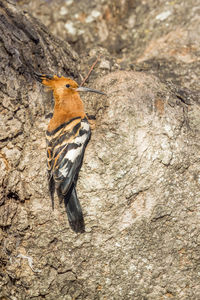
(63, 85)
(68, 103)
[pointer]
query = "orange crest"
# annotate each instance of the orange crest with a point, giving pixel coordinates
(54, 81)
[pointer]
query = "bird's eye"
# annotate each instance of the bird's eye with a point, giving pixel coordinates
(67, 85)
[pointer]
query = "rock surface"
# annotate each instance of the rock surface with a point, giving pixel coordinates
(159, 36)
(139, 183)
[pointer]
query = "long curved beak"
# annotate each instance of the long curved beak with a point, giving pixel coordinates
(84, 89)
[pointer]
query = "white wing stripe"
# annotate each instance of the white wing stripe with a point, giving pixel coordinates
(73, 153)
(81, 139)
(85, 126)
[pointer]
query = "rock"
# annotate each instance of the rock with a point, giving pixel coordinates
(104, 64)
(139, 183)
(133, 187)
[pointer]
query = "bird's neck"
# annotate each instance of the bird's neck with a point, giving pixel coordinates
(66, 108)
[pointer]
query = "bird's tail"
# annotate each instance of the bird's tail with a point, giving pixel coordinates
(74, 211)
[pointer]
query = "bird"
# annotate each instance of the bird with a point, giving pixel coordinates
(67, 136)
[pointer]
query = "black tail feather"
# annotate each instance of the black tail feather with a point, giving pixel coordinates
(52, 190)
(74, 211)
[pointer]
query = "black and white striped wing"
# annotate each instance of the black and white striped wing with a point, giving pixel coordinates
(67, 154)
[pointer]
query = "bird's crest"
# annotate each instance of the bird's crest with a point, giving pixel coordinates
(54, 81)
(61, 83)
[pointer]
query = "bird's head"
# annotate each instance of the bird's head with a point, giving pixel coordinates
(63, 85)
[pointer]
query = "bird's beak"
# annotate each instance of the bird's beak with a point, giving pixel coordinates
(84, 89)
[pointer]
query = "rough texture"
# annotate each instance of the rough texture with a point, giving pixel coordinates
(139, 184)
(160, 36)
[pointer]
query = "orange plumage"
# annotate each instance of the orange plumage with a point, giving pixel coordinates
(67, 136)
(68, 103)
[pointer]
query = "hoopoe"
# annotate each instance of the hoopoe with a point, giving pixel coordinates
(67, 136)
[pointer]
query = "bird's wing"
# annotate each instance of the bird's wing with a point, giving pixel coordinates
(65, 150)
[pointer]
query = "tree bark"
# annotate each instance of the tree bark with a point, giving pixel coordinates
(138, 186)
